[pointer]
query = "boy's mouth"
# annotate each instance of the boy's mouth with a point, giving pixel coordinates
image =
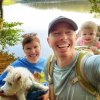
(32, 55)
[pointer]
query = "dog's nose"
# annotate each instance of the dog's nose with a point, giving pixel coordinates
(1, 91)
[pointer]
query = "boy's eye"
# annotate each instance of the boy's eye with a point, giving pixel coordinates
(28, 48)
(32, 48)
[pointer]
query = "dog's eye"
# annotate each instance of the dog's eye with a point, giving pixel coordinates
(9, 84)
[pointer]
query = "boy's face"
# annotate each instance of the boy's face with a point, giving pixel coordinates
(32, 51)
(88, 35)
(62, 39)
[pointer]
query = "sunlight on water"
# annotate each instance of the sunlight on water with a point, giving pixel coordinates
(37, 20)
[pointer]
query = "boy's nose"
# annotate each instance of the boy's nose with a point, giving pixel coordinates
(33, 50)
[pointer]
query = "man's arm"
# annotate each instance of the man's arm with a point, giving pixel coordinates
(92, 69)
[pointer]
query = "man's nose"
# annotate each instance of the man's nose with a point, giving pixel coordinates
(64, 36)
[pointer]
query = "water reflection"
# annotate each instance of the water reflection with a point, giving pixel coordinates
(80, 6)
(37, 20)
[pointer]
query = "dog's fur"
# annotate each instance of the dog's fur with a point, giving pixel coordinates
(17, 82)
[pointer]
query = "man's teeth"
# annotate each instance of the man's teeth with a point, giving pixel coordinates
(63, 46)
(32, 55)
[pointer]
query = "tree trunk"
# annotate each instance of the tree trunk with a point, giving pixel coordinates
(1, 14)
(1, 9)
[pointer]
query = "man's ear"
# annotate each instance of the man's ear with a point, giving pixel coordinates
(48, 40)
(76, 36)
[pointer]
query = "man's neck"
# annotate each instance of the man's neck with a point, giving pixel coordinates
(65, 60)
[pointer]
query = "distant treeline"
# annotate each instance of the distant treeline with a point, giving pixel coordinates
(44, 1)
(49, 0)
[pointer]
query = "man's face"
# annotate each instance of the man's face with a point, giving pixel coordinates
(62, 39)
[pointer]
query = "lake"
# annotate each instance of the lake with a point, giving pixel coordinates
(36, 17)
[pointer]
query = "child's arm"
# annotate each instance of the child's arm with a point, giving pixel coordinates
(93, 48)
(96, 49)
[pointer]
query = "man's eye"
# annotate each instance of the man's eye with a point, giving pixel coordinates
(56, 33)
(69, 33)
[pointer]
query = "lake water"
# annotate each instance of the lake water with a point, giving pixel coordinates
(37, 20)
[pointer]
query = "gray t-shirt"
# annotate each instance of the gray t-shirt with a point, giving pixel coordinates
(62, 78)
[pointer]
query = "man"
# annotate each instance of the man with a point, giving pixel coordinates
(62, 38)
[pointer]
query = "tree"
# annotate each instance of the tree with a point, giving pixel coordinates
(95, 7)
(9, 33)
(1, 9)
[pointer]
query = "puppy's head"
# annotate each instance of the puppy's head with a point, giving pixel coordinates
(12, 82)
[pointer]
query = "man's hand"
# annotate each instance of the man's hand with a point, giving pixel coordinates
(45, 96)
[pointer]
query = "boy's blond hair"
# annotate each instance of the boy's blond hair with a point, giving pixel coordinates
(89, 25)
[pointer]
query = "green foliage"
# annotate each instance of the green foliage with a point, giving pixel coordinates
(8, 2)
(95, 7)
(10, 34)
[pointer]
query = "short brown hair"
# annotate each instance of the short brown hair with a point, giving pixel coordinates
(29, 37)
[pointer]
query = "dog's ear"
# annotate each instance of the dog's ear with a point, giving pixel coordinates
(9, 68)
(17, 77)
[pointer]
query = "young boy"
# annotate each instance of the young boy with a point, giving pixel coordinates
(88, 36)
